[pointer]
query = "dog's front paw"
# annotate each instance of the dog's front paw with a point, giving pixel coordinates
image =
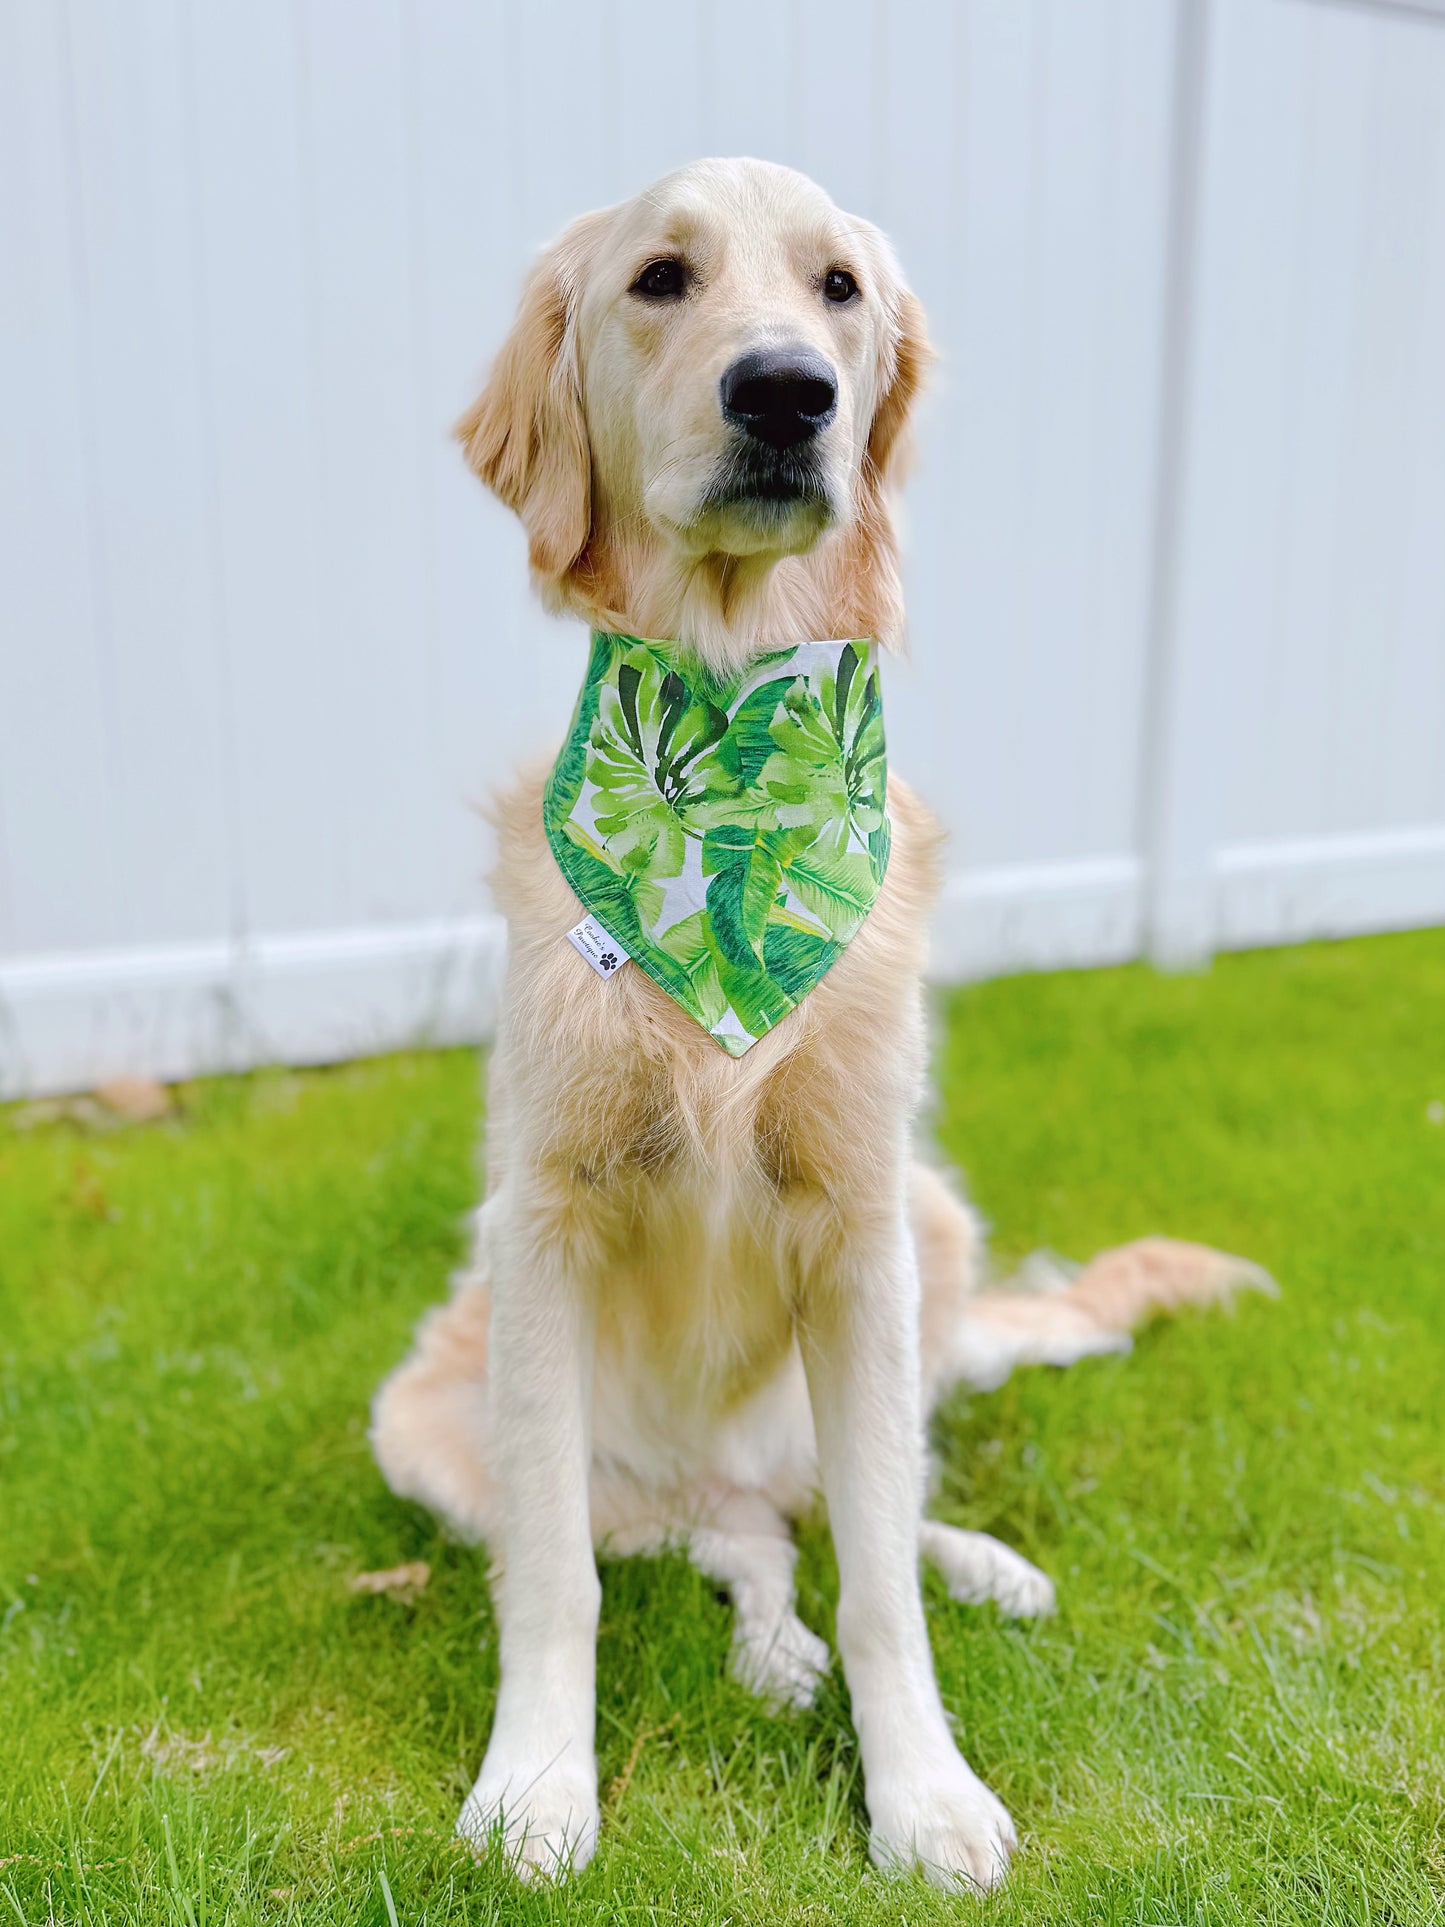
(947, 1823)
(782, 1664)
(542, 1816)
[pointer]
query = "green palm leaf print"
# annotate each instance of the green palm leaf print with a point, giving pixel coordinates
(732, 835)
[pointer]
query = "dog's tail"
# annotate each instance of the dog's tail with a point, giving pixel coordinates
(1051, 1312)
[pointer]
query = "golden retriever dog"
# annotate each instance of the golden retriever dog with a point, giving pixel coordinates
(704, 1287)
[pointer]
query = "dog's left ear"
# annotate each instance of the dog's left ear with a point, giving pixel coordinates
(906, 359)
(526, 435)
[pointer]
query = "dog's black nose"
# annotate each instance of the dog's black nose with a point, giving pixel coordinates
(780, 395)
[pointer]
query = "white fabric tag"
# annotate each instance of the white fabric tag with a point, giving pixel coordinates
(604, 953)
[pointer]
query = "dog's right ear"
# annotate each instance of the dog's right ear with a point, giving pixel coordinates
(910, 353)
(526, 435)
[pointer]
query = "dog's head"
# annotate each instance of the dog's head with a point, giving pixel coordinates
(719, 371)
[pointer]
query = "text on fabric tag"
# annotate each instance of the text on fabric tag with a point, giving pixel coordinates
(591, 941)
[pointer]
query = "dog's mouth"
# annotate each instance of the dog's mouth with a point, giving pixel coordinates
(758, 501)
(769, 484)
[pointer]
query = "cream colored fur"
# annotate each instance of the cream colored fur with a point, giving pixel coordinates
(703, 1287)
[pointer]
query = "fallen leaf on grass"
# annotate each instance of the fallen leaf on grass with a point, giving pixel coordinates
(117, 1102)
(139, 1100)
(397, 1582)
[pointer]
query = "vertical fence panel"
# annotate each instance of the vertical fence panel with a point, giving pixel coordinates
(256, 271)
(147, 459)
(1293, 677)
(464, 226)
(1306, 787)
(57, 795)
(830, 128)
(1230, 482)
(988, 351)
(364, 395)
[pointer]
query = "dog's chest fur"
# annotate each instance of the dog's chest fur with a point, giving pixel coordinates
(700, 1191)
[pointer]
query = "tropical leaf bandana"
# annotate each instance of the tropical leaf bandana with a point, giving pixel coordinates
(731, 836)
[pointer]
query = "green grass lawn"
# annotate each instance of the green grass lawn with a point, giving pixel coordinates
(1237, 1716)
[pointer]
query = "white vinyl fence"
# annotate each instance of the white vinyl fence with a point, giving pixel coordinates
(1176, 545)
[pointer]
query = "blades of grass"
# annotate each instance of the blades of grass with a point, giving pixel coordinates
(386, 1896)
(181, 1897)
(105, 1764)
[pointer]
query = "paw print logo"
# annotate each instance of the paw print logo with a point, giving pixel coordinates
(608, 960)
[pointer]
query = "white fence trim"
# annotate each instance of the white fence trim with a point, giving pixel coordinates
(191, 1010)
(1047, 916)
(1291, 892)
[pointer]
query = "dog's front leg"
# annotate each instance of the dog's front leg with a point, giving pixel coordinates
(859, 1334)
(537, 1789)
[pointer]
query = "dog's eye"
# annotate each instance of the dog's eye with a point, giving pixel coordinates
(661, 280)
(839, 285)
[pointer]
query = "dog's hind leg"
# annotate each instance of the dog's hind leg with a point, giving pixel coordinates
(748, 1549)
(737, 1538)
(976, 1568)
